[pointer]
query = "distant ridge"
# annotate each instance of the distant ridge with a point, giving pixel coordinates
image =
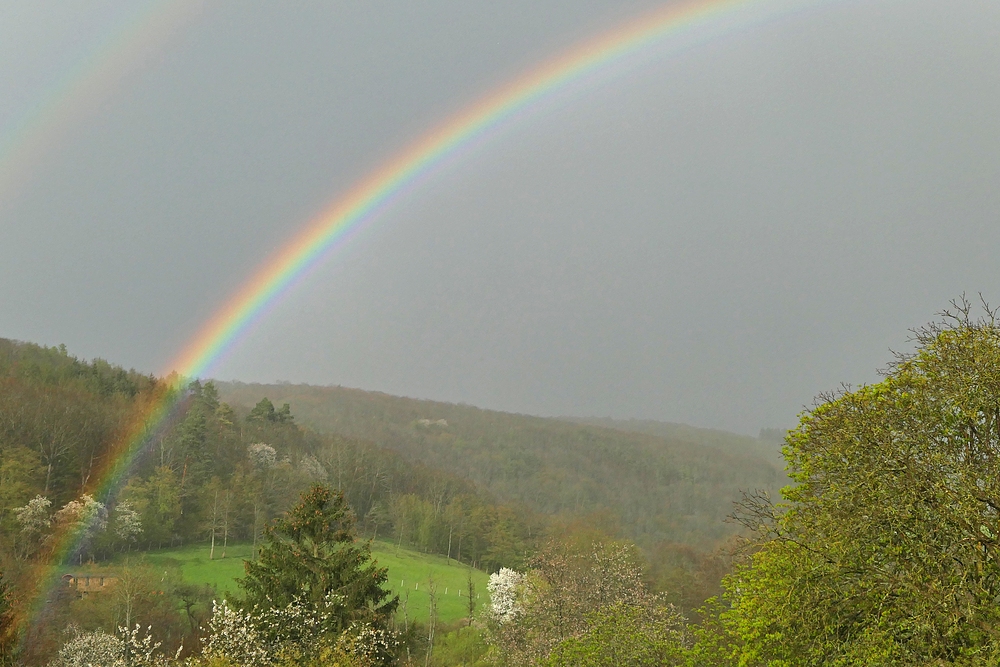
(657, 482)
(725, 440)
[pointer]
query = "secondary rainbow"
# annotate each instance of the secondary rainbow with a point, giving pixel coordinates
(373, 194)
(81, 89)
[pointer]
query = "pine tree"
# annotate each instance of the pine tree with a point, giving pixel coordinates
(263, 412)
(311, 555)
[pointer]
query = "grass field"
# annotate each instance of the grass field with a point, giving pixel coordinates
(410, 574)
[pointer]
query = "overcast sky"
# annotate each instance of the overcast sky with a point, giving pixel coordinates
(712, 236)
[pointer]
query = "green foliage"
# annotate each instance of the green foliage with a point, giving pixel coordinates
(675, 486)
(157, 501)
(54, 367)
(464, 647)
(21, 477)
(583, 604)
(625, 635)
(688, 577)
(8, 626)
(886, 550)
(264, 413)
(713, 641)
(312, 552)
(222, 473)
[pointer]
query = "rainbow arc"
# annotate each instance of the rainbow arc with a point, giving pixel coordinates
(698, 21)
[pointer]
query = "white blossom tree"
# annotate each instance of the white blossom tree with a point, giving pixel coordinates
(259, 638)
(88, 649)
(505, 587)
(128, 524)
(86, 516)
(233, 635)
(34, 519)
(580, 599)
(262, 455)
(312, 468)
(130, 648)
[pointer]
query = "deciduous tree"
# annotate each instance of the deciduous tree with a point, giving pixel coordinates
(887, 548)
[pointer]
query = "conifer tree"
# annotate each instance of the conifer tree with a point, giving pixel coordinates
(312, 555)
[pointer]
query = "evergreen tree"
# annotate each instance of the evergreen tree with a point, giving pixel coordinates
(263, 412)
(312, 556)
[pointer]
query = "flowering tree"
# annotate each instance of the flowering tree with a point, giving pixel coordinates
(582, 606)
(130, 648)
(34, 519)
(312, 468)
(233, 635)
(86, 516)
(128, 524)
(273, 636)
(262, 455)
(505, 586)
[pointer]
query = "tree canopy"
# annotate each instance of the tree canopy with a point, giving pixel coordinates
(886, 550)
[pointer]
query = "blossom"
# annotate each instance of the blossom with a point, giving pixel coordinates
(262, 455)
(258, 638)
(312, 468)
(34, 517)
(504, 587)
(86, 513)
(131, 648)
(128, 525)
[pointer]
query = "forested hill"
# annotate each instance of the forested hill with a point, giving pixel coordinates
(768, 448)
(678, 488)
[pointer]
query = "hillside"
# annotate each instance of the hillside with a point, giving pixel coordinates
(724, 440)
(213, 472)
(672, 486)
(410, 574)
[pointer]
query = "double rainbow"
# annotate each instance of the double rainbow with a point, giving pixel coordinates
(699, 20)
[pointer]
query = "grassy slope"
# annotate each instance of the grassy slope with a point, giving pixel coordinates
(675, 485)
(409, 575)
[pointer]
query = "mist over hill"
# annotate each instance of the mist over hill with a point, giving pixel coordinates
(768, 446)
(657, 482)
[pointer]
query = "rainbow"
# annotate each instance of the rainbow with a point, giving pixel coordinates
(143, 29)
(381, 188)
(698, 20)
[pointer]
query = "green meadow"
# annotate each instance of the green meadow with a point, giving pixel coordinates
(410, 576)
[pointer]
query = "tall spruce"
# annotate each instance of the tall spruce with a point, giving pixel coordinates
(313, 553)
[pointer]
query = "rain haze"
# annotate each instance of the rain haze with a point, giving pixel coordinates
(712, 232)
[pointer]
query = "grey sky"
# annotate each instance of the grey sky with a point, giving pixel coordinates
(712, 238)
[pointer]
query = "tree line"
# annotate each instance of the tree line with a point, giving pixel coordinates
(218, 475)
(883, 549)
